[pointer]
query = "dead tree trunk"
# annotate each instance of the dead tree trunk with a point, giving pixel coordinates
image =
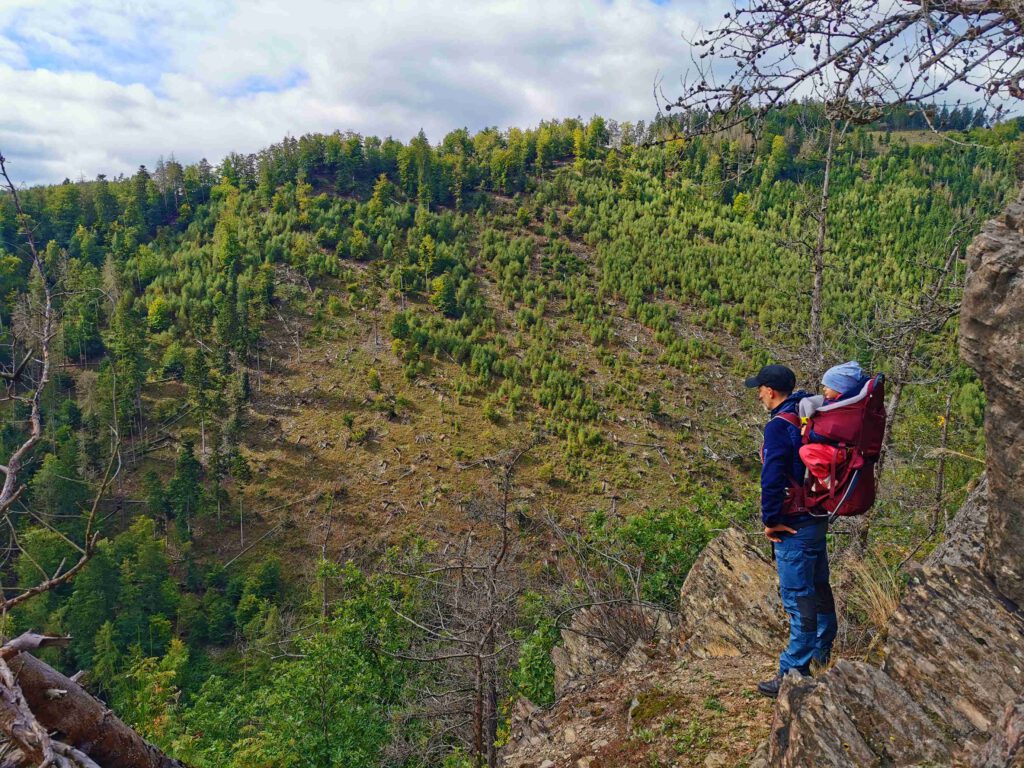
(491, 701)
(81, 721)
(34, 745)
(899, 380)
(818, 262)
(471, 598)
(478, 712)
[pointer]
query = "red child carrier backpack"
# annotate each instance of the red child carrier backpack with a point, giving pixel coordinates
(857, 425)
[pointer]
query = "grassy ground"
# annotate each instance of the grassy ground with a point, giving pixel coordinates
(670, 713)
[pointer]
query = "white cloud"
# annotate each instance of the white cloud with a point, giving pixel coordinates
(103, 86)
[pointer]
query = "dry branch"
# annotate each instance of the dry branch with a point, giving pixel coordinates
(33, 398)
(858, 58)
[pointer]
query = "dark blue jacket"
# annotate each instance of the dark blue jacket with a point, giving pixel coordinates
(781, 461)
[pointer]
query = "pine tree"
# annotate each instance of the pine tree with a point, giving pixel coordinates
(97, 590)
(185, 493)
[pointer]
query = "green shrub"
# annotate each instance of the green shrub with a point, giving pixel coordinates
(666, 542)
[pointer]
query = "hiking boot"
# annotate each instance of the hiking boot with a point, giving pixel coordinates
(770, 688)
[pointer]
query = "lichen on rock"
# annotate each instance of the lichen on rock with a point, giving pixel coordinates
(854, 715)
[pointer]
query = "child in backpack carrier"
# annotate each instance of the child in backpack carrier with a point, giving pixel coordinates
(821, 455)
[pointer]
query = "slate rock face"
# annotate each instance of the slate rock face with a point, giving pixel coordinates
(957, 647)
(1006, 747)
(992, 342)
(729, 604)
(854, 715)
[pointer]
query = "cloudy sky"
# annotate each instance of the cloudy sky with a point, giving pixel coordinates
(102, 86)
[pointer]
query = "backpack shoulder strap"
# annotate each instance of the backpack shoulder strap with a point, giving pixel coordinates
(795, 501)
(790, 418)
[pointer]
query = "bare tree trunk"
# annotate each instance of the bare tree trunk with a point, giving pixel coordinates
(818, 260)
(492, 716)
(478, 714)
(491, 698)
(473, 592)
(83, 722)
(34, 744)
(940, 475)
(898, 382)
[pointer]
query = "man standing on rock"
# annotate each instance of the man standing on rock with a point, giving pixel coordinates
(798, 539)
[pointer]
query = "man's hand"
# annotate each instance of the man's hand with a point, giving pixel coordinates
(770, 531)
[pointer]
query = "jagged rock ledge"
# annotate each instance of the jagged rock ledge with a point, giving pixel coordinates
(992, 342)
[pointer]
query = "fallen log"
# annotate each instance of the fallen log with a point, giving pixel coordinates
(79, 719)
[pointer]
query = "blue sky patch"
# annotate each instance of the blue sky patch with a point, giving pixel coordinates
(265, 84)
(124, 63)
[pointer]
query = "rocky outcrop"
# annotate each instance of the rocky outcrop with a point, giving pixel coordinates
(729, 632)
(992, 342)
(598, 639)
(950, 691)
(729, 604)
(964, 544)
(855, 715)
(957, 647)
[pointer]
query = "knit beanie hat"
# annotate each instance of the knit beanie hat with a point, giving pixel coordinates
(845, 378)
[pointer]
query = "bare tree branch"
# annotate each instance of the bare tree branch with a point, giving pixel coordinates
(858, 58)
(15, 461)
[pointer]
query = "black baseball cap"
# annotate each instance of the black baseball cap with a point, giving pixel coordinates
(778, 377)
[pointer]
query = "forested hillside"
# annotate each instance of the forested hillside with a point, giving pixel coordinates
(382, 413)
